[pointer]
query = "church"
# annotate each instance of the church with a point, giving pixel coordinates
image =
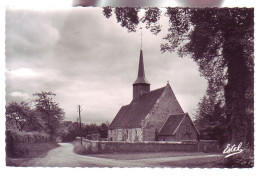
(152, 115)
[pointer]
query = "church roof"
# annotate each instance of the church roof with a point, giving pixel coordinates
(141, 74)
(172, 124)
(131, 116)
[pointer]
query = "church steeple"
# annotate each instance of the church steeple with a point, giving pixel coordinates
(141, 74)
(141, 85)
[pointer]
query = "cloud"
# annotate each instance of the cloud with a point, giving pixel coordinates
(90, 60)
(23, 73)
(19, 94)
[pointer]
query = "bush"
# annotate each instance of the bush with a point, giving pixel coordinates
(27, 137)
(27, 144)
(242, 160)
(83, 148)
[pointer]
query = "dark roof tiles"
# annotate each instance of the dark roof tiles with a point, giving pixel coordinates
(172, 124)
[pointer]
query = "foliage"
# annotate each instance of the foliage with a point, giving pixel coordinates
(49, 111)
(83, 148)
(44, 117)
(70, 130)
(128, 17)
(27, 144)
(18, 113)
(242, 160)
(20, 116)
(210, 120)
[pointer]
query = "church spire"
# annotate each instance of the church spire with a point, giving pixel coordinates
(141, 85)
(141, 74)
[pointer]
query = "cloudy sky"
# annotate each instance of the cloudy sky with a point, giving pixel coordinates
(89, 60)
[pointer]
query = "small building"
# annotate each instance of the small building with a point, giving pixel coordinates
(178, 127)
(151, 115)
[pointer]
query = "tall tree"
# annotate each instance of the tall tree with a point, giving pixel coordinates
(49, 111)
(221, 43)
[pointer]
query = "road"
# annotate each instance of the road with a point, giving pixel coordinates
(64, 156)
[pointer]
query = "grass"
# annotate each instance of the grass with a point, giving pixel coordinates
(136, 156)
(205, 162)
(27, 151)
(211, 162)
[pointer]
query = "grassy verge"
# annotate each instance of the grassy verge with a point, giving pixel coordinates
(27, 151)
(211, 162)
(136, 156)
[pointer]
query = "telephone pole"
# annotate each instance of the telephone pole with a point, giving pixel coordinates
(79, 107)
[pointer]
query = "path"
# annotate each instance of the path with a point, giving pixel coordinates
(64, 156)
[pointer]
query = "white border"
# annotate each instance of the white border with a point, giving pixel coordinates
(108, 172)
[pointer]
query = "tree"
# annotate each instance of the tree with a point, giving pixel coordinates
(69, 131)
(103, 130)
(210, 120)
(220, 41)
(221, 44)
(49, 111)
(18, 114)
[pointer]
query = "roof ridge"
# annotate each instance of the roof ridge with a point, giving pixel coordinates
(154, 90)
(184, 114)
(178, 114)
(193, 123)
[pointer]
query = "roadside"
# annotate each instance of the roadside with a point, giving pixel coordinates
(135, 156)
(64, 156)
(36, 150)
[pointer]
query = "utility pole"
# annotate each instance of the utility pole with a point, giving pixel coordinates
(80, 124)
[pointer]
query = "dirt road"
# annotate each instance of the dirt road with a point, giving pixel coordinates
(64, 156)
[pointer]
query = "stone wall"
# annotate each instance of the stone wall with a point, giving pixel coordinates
(130, 135)
(127, 147)
(131, 147)
(166, 105)
(209, 145)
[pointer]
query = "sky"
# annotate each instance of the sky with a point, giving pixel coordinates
(89, 60)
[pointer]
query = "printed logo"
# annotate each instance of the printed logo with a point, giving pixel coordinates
(232, 150)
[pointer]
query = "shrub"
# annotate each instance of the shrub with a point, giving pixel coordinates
(242, 160)
(27, 144)
(82, 148)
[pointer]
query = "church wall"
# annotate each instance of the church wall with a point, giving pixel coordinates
(134, 134)
(167, 138)
(166, 105)
(186, 131)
